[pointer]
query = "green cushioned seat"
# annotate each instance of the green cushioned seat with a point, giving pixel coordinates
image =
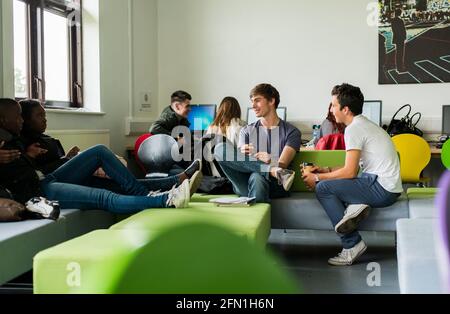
(420, 193)
(203, 197)
(321, 158)
(252, 222)
(181, 259)
(62, 268)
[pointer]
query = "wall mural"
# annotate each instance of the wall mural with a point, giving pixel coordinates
(414, 41)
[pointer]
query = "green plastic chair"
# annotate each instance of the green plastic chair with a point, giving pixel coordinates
(321, 158)
(194, 259)
(445, 155)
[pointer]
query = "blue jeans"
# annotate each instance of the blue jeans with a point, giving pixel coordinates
(249, 176)
(69, 185)
(336, 195)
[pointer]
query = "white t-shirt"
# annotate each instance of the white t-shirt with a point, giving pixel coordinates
(378, 154)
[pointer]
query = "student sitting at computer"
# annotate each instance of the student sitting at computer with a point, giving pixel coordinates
(267, 147)
(228, 121)
(67, 184)
(174, 115)
(330, 126)
(345, 196)
(227, 124)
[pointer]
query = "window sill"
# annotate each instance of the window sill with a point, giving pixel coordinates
(80, 111)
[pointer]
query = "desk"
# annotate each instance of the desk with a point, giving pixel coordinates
(435, 152)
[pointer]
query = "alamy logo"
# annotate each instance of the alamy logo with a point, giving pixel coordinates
(374, 277)
(73, 278)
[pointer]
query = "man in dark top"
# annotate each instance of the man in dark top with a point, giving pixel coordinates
(174, 115)
(399, 38)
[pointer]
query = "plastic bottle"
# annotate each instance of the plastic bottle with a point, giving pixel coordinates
(316, 133)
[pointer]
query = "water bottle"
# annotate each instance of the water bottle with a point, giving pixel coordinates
(316, 133)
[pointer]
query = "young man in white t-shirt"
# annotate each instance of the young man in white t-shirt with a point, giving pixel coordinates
(344, 195)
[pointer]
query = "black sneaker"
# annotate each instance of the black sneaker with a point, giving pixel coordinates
(40, 208)
(193, 168)
(285, 178)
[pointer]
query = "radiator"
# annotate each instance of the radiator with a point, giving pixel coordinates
(81, 138)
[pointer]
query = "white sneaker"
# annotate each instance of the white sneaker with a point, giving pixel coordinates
(352, 217)
(194, 182)
(156, 193)
(179, 197)
(348, 256)
(42, 208)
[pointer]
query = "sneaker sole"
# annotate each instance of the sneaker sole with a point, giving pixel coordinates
(194, 182)
(352, 222)
(288, 184)
(349, 264)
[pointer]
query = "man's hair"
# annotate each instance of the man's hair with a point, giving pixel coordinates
(6, 104)
(398, 12)
(180, 96)
(28, 106)
(349, 96)
(267, 91)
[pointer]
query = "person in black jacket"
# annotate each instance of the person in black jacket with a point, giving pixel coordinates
(52, 155)
(48, 154)
(24, 180)
(174, 115)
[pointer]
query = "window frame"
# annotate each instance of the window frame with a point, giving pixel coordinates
(35, 51)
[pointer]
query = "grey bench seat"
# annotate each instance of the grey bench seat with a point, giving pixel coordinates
(418, 269)
(303, 211)
(422, 208)
(21, 241)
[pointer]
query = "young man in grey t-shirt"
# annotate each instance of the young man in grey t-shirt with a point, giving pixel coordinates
(258, 168)
(343, 194)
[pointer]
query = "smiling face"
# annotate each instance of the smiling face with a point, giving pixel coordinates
(262, 106)
(182, 108)
(12, 119)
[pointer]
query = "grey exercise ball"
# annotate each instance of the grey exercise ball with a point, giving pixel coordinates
(157, 153)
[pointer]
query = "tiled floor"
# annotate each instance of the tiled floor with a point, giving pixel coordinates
(305, 253)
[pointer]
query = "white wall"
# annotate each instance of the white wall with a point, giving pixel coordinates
(215, 48)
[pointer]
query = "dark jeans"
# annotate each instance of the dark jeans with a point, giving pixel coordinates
(336, 195)
(249, 176)
(69, 185)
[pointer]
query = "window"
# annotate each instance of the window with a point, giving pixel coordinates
(48, 52)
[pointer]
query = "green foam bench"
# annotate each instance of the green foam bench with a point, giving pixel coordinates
(56, 269)
(182, 258)
(252, 222)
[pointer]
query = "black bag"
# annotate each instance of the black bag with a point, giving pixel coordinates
(405, 125)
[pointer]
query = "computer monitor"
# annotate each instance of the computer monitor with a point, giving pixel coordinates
(446, 120)
(251, 116)
(372, 110)
(201, 117)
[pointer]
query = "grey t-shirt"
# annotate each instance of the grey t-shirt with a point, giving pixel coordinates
(271, 141)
